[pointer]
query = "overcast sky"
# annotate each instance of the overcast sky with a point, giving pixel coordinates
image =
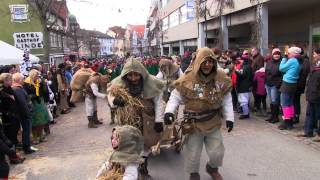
(101, 14)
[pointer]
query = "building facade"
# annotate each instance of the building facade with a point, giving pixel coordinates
(19, 22)
(178, 26)
(189, 24)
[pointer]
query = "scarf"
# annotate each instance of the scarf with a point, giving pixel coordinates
(35, 85)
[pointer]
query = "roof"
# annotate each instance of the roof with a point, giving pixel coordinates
(139, 29)
(60, 9)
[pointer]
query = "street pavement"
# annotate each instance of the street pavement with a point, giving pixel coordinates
(255, 150)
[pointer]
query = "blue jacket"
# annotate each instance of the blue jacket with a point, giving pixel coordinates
(291, 69)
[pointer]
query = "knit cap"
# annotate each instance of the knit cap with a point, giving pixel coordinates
(294, 50)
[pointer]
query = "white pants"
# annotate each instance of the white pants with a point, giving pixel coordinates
(91, 105)
(193, 148)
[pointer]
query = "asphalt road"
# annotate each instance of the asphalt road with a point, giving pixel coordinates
(254, 150)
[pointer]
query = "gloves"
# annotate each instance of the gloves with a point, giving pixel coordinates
(168, 118)
(119, 101)
(158, 127)
(229, 125)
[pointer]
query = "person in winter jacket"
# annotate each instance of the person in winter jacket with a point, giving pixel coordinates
(236, 59)
(291, 69)
(186, 60)
(40, 117)
(313, 99)
(9, 109)
(305, 70)
(5, 149)
(25, 108)
(256, 63)
(273, 79)
(260, 91)
(244, 84)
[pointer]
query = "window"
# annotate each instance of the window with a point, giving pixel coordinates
(165, 23)
(174, 18)
(53, 39)
(19, 12)
(164, 3)
(187, 12)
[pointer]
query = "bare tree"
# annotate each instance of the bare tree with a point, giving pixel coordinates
(44, 9)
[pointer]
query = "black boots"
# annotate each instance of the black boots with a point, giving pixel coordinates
(287, 124)
(143, 170)
(194, 176)
(274, 113)
(296, 119)
(91, 123)
(95, 118)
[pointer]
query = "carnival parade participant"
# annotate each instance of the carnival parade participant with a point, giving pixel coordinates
(92, 88)
(169, 72)
(127, 144)
(205, 91)
(147, 90)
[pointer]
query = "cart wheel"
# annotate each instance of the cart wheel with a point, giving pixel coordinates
(178, 146)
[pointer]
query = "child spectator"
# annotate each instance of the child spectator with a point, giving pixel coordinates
(260, 92)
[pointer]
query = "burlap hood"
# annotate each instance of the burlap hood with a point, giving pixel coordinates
(130, 145)
(186, 84)
(169, 67)
(152, 86)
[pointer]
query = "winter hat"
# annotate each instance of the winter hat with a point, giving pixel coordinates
(294, 50)
(317, 50)
(276, 50)
(245, 55)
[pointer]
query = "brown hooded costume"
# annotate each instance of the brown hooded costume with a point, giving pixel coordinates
(204, 94)
(207, 101)
(151, 98)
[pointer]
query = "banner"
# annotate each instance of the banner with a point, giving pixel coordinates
(28, 40)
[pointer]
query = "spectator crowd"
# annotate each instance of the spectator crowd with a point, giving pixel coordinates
(33, 96)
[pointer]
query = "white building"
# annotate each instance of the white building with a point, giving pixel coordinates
(106, 46)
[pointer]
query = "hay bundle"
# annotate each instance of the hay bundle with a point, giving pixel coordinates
(80, 78)
(115, 173)
(130, 114)
(77, 84)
